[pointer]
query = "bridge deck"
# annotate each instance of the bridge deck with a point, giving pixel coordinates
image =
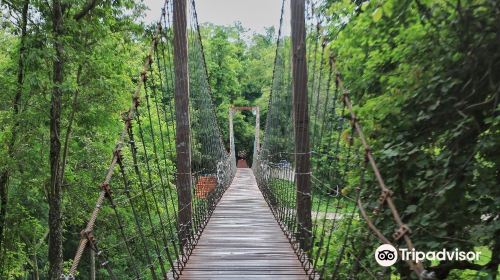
(242, 239)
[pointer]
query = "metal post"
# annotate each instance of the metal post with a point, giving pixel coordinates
(92, 264)
(183, 137)
(257, 128)
(256, 143)
(231, 133)
(301, 124)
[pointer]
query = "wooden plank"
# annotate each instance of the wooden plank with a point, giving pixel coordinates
(243, 239)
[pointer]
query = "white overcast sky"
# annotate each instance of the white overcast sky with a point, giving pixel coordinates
(253, 14)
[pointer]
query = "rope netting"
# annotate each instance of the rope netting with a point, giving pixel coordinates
(343, 236)
(134, 227)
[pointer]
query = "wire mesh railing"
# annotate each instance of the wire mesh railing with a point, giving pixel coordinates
(343, 233)
(134, 227)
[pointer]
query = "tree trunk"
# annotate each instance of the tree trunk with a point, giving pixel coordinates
(55, 216)
(4, 176)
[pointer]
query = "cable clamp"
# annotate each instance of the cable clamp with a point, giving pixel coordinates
(384, 195)
(401, 231)
(107, 189)
(126, 116)
(155, 39)
(345, 95)
(136, 100)
(118, 153)
(89, 235)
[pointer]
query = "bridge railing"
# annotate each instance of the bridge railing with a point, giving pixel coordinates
(134, 229)
(339, 234)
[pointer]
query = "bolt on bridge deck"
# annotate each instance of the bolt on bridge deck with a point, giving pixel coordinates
(243, 240)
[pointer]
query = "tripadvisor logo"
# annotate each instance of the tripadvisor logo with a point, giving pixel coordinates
(387, 255)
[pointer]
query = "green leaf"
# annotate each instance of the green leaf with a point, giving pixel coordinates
(411, 209)
(388, 7)
(377, 14)
(365, 5)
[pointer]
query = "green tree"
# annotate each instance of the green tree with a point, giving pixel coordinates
(97, 53)
(240, 74)
(423, 80)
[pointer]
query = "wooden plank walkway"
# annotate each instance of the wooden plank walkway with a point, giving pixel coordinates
(243, 240)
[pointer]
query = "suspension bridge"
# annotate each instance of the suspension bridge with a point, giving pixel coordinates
(183, 210)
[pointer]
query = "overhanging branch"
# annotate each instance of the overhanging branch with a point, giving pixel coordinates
(86, 9)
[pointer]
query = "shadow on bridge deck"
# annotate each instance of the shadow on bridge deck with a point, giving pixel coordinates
(242, 239)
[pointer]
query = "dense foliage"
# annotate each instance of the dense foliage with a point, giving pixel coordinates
(101, 54)
(240, 68)
(423, 75)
